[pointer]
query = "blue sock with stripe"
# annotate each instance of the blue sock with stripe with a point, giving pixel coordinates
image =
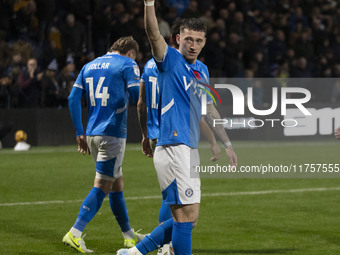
(89, 208)
(119, 210)
(159, 236)
(181, 238)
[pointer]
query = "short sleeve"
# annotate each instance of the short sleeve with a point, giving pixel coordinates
(168, 61)
(131, 76)
(79, 83)
(131, 72)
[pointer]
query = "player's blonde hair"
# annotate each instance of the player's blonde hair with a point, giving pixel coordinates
(124, 44)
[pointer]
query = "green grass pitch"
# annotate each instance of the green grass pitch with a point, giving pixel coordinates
(41, 191)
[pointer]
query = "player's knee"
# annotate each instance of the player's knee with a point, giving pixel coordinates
(104, 185)
(118, 185)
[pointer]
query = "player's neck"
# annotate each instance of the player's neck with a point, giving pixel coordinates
(190, 61)
(115, 52)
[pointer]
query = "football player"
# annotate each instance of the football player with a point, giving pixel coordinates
(107, 82)
(176, 154)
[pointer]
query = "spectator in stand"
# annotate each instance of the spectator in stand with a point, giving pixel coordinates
(282, 31)
(73, 37)
(336, 48)
(81, 10)
(164, 28)
(66, 79)
(49, 52)
(303, 46)
(233, 56)
(6, 15)
(301, 69)
(192, 10)
(297, 17)
(214, 55)
(122, 27)
(277, 48)
(238, 26)
(140, 36)
(102, 20)
(208, 19)
(25, 49)
(220, 28)
(5, 55)
(179, 5)
(45, 14)
(29, 85)
(5, 92)
(27, 22)
(49, 86)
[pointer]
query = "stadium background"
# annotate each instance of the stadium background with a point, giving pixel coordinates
(41, 189)
(246, 39)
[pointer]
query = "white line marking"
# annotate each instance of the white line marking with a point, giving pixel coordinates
(223, 194)
(203, 145)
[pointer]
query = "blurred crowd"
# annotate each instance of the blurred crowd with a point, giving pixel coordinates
(44, 43)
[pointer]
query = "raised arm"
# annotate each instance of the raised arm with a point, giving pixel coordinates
(142, 118)
(157, 42)
(220, 132)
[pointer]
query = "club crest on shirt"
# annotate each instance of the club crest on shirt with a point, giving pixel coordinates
(189, 192)
(136, 70)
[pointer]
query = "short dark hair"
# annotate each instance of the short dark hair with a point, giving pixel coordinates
(124, 44)
(193, 24)
(175, 30)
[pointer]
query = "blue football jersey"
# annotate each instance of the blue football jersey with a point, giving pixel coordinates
(181, 91)
(108, 82)
(149, 77)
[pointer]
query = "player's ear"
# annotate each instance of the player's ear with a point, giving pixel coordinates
(178, 38)
(131, 54)
(204, 41)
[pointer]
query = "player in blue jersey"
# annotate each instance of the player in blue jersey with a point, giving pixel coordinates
(149, 100)
(107, 82)
(176, 155)
(148, 106)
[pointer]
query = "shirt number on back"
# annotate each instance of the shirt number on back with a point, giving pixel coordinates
(154, 89)
(104, 95)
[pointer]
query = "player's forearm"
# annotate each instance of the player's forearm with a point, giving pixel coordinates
(207, 132)
(142, 117)
(218, 130)
(151, 24)
(142, 112)
(158, 44)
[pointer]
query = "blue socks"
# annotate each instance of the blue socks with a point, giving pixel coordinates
(164, 213)
(89, 208)
(181, 238)
(159, 236)
(118, 207)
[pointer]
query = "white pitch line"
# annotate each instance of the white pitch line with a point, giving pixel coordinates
(226, 194)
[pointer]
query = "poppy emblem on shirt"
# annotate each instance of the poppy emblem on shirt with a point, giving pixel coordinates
(197, 75)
